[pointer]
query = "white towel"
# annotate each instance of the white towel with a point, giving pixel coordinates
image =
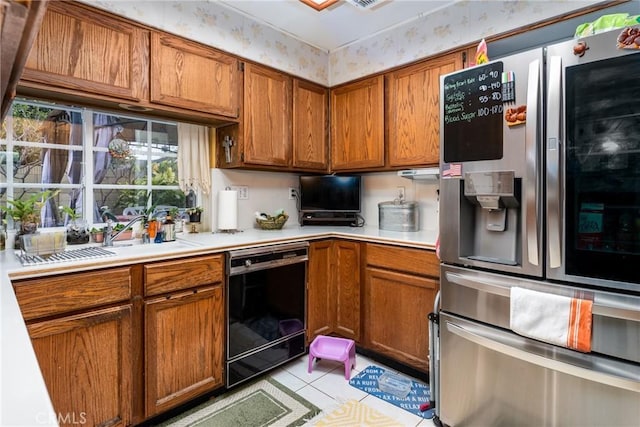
(554, 319)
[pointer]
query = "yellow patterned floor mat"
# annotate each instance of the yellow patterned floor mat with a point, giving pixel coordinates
(354, 413)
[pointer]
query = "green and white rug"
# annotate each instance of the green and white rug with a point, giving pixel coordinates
(262, 403)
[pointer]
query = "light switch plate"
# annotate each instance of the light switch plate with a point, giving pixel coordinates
(243, 191)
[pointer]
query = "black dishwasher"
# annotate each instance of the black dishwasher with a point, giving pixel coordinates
(266, 302)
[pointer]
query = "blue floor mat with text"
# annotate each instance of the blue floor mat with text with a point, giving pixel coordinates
(367, 381)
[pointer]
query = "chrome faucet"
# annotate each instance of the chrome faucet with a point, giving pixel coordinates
(109, 238)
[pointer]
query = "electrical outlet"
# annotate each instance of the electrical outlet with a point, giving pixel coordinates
(400, 193)
(243, 191)
(292, 193)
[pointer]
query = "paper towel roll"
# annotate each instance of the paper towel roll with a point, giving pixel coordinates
(227, 210)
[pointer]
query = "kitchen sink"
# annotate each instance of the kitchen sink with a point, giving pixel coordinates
(95, 251)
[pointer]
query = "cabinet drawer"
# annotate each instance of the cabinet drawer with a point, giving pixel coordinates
(418, 261)
(172, 276)
(49, 296)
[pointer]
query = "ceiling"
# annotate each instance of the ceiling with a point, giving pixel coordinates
(338, 25)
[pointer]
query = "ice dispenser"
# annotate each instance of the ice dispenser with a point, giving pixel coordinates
(492, 215)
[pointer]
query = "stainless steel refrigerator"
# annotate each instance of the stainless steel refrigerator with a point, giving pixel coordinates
(540, 190)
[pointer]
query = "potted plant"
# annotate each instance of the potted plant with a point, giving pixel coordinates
(194, 213)
(26, 212)
(77, 230)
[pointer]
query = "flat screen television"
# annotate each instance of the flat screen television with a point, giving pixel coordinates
(329, 193)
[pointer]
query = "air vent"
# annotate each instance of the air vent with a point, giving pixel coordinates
(365, 4)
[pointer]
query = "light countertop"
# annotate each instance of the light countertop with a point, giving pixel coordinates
(24, 400)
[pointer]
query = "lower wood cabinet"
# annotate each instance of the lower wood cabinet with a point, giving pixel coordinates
(334, 289)
(119, 345)
(399, 291)
(86, 364)
(378, 295)
(183, 330)
(85, 352)
(183, 347)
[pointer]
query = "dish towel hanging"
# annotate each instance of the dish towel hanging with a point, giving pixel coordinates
(554, 319)
(193, 158)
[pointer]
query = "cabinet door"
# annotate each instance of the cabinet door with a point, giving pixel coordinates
(84, 50)
(346, 256)
(310, 126)
(396, 310)
(184, 347)
(86, 365)
(413, 115)
(267, 116)
(321, 306)
(357, 125)
(188, 75)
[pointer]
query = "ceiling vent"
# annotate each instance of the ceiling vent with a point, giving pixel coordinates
(365, 4)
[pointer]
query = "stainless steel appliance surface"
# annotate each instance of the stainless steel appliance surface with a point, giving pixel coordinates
(266, 308)
(540, 189)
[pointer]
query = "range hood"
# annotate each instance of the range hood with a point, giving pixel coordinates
(421, 174)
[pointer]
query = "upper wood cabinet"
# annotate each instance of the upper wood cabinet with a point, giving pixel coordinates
(284, 125)
(310, 126)
(267, 116)
(357, 125)
(19, 24)
(81, 49)
(413, 111)
(189, 75)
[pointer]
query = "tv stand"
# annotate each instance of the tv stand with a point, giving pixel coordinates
(328, 218)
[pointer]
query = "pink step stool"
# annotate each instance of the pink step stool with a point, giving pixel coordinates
(333, 348)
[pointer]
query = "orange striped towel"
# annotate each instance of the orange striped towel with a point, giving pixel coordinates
(552, 318)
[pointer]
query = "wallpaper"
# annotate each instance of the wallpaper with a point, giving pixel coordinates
(213, 24)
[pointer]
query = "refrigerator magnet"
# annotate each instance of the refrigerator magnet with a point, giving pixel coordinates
(516, 116)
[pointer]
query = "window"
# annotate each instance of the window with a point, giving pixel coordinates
(98, 161)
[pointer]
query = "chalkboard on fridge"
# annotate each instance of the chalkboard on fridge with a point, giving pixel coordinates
(472, 114)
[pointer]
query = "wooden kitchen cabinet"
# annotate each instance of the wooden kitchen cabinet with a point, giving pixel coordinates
(399, 291)
(19, 24)
(310, 126)
(83, 343)
(334, 289)
(357, 125)
(184, 331)
(188, 75)
(320, 293)
(267, 116)
(284, 124)
(413, 111)
(82, 50)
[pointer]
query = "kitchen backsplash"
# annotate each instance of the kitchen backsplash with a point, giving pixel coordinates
(268, 192)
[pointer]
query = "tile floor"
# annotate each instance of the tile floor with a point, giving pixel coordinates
(327, 388)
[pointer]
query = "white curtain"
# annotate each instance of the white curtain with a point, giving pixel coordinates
(193, 158)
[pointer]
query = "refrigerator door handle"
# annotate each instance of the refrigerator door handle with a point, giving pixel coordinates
(598, 371)
(554, 144)
(603, 304)
(531, 160)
